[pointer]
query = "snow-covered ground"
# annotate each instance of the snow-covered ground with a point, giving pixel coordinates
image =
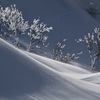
(67, 17)
(26, 76)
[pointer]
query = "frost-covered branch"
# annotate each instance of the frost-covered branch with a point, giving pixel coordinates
(92, 41)
(57, 51)
(60, 56)
(16, 22)
(70, 57)
(12, 22)
(38, 34)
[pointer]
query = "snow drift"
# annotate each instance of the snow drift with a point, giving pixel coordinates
(26, 76)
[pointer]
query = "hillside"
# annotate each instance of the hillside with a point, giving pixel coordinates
(26, 76)
(67, 17)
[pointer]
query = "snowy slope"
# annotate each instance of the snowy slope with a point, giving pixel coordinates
(84, 4)
(26, 76)
(68, 18)
(94, 78)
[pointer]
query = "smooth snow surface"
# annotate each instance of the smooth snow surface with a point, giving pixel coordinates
(26, 76)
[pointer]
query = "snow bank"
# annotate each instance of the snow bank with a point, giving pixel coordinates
(24, 76)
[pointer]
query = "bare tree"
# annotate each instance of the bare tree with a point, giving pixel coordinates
(3, 23)
(92, 42)
(70, 57)
(16, 22)
(38, 35)
(12, 23)
(60, 56)
(58, 50)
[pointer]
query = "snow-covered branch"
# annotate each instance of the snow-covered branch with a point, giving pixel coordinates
(38, 34)
(92, 41)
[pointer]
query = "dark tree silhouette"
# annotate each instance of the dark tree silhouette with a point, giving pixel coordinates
(92, 10)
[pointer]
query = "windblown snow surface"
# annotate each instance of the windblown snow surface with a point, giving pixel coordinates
(26, 76)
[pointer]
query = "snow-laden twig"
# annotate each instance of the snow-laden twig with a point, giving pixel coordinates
(38, 34)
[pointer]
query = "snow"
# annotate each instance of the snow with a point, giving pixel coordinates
(27, 76)
(67, 17)
(94, 78)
